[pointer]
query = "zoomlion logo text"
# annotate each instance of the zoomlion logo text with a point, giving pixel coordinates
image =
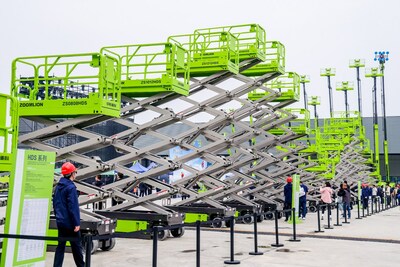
(4, 158)
(74, 103)
(150, 81)
(209, 63)
(25, 105)
(111, 105)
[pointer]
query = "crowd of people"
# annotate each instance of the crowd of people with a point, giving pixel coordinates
(343, 196)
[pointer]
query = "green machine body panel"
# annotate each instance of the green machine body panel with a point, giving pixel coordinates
(288, 85)
(67, 85)
(8, 132)
(251, 38)
(210, 52)
(126, 226)
(150, 69)
(193, 217)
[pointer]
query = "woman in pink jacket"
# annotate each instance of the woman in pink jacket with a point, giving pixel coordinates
(326, 197)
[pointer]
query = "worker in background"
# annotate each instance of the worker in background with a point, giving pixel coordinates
(365, 195)
(287, 191)
(381, 194)
(388, 193)
(326, 198)
(99, 183)
(66, 210)
(344, 192)
(303, 200)
(115, 200)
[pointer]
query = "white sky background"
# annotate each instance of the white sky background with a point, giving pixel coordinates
(316, 34)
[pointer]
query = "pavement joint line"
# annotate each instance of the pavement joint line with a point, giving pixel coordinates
(348, 238)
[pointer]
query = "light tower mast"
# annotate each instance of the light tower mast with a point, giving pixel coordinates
(345, 86)
(374, 73)
(382, 57)
(328, 72)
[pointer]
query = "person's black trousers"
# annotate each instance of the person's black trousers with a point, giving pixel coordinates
(287, 213)
(76, 247)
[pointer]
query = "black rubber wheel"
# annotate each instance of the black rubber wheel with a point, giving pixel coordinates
(260, 218)
(95, 246)
(312, 209)
(109, 246)
(178, 232)
(217, 222)
(163, 234)
(269, 216)
(247, 219)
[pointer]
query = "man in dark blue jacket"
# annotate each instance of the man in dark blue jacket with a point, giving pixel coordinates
(365, 192)
(303, 200)
(66, 209)
(287, 191)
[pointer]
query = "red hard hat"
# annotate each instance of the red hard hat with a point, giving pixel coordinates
(67, 168)
(289, 179)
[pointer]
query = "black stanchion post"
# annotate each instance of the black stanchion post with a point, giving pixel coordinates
(88, 249)
(276, 231)
(368, 208)
(386, 203)
(363, 209)
(255, 252)
(337, 216)
(232, 260)
(155, 240)
(319, 220)
(378, 204)
(358, 209)
(372, 205)
(329, 218)
(197, 243)
(294, 239)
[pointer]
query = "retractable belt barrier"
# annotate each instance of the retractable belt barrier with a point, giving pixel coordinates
(88, 238)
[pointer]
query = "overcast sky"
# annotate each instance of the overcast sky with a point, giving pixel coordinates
(316, 33)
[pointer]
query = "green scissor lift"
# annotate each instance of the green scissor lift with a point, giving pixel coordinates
(221, 49)
(148, 70)
(65, 87)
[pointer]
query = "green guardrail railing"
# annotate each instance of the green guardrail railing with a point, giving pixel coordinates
(273, 64)
(300, 125)
(251, 39)
(8, 132)
(288, 86)
(150, 69)
(209, 52)
(67, 85)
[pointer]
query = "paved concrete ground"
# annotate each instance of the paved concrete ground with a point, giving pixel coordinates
(376, 243)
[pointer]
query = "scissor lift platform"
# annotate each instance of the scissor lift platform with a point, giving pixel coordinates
(62, 86)
(150, 69)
